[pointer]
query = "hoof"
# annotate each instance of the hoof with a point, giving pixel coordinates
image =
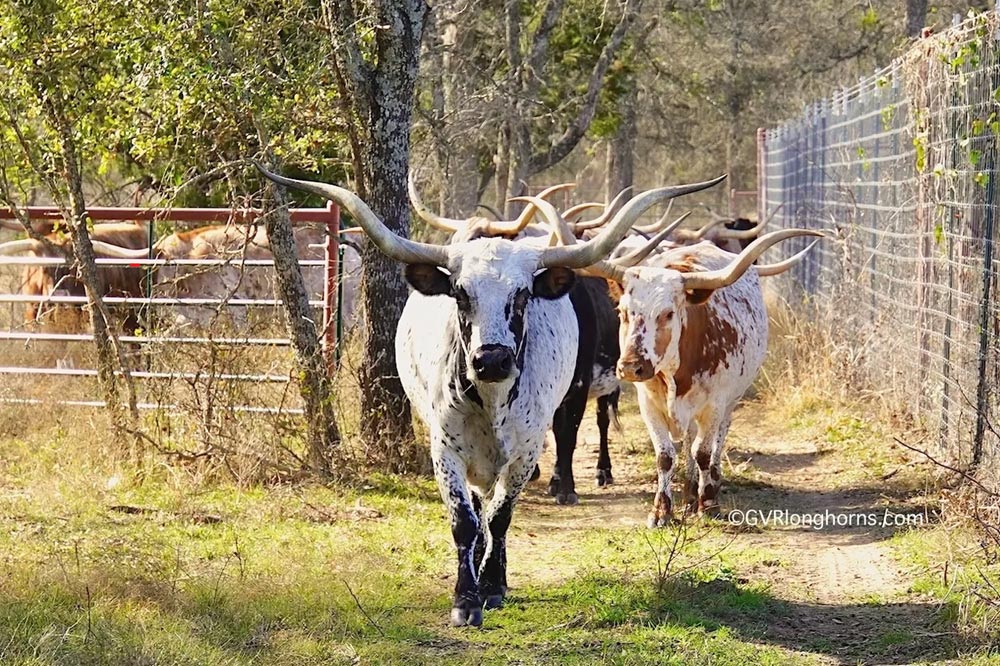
(604, 478)
(657, 519)
(709, 510)
(568, 499)
(493, 601)
(537, 474)
(471, 615)
(691, 509)
(553, 486)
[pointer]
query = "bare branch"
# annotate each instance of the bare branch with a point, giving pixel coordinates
(540, 40)
(565, 144)
(964, 475)
(341, 21)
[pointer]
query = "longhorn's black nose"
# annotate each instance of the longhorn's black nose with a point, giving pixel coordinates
(492, 363)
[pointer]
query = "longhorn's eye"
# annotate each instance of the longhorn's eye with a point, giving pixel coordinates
(521, 300)
(668, 316)
(462, 300)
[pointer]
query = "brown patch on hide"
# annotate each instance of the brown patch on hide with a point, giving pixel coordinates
(705, 343)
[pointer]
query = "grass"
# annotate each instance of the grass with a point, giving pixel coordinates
(99, 571)
(105, 560)
(949, 564)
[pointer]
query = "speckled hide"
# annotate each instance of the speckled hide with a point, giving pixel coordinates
(594, 375)
(692, 356)
(485, 435)
(232, 281)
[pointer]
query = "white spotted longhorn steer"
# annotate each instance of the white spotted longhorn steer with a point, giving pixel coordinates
(693, 337)
(486, 349)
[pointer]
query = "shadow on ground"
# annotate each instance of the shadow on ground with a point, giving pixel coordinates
(885, 633)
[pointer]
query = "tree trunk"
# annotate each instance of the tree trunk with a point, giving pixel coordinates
(109, 354)
(385, 423)
(916, 17)
(458, 166)
(515, 151)
(381, 86)
(507, 138)
(619, 170)
(323, 436)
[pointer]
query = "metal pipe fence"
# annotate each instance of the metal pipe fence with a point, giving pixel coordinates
(171, 359)
(902, 169)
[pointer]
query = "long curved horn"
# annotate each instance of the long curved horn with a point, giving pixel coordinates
(448, 224)
(112, 250)
(739, 234)
(689, 235)
(589, 253)
(571, 214)
(607, 270)
(560, 229)
(655, 226)
(491, 210)
(19, 246)
(499, 227)
(608, 212)
(731, 273)
(12, 225)
(715, 216)
(703, 231)
(514, 227)
(636, 256)
(400, 249)
(767, 270)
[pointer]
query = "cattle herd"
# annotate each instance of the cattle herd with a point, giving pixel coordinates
(510, 328)
(500, 341)
(197, 287)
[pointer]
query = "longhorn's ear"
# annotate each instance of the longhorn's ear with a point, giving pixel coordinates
(615, 291)
(554, 282)
(699, 296)
(428, 279)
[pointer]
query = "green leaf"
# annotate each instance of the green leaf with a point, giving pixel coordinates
(869, 19)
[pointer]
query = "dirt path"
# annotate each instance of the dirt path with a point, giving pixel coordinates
(836, 592)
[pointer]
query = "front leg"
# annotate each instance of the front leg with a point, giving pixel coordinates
(450, 473)
(497, 517)
(565, 426)
(653, 410)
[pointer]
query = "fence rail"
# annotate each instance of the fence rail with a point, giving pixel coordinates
(902, 169)
(156, 355)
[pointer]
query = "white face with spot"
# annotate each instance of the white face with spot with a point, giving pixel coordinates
(491, 280)
(651, 309)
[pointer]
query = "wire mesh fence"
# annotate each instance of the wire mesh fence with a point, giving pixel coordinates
(902, 168)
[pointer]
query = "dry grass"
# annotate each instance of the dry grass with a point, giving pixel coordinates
(808, 366)
(811, 380)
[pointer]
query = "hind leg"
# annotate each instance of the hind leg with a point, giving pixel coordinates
(691, 482)
(606, 406)
(708, 456)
